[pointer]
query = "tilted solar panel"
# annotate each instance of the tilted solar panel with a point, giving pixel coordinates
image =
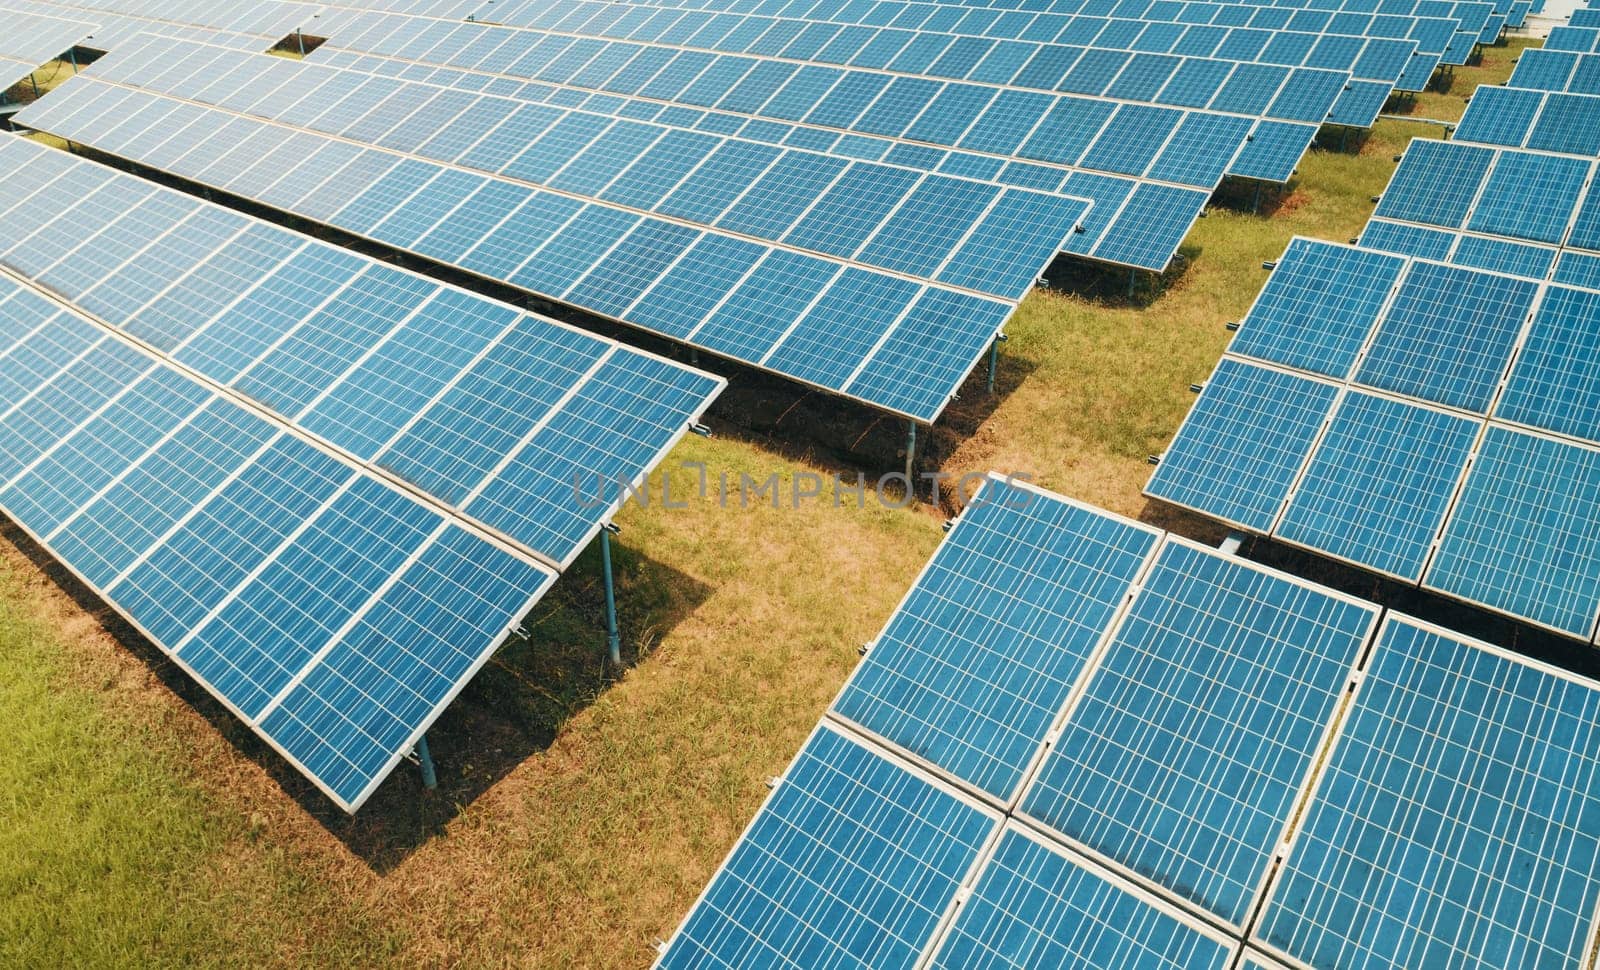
(1454, 821)
(854, 860)
(977, 662)
(1192, 787)
(1036, 905)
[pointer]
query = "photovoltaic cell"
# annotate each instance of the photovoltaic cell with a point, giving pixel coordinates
(1555, 382)
(1187, 753)
(1379, 483)
(1436, 183)
(1407, 240)
(1530, 196)
(849, 845)
(1237, 453)
(1454, 821)
(975, 665)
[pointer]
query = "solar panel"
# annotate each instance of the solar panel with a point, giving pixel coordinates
(1360, 103)
(1185, 756)
(31, 39)
(854, 860)
(274, 548)
(1499, 116)
(1448, 335)
(1453, 823)
(1504, 256)
(1377, 488)
(1273, 151)
(1530, 196)
(1578, 269)
(1555, 384)
(976, 663)
(1436, 183)
(1318, 307)
(1407, 240)
(1524, 537)
(1238, 452)
(1036, 905)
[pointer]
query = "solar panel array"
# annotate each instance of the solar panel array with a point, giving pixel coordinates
(327, 488)
(31, 39)
(241, 24)
(1424, 421)
(1082, 742)
(877, 281)
(1551, 70)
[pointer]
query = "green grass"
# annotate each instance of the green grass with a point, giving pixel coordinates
(577, 818)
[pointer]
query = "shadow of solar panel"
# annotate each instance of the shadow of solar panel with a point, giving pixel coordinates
(1319, 305)
(1184, 758)
(1379, 483)
(1237, 453)
(1448, 335)
(1524, 536)
(854, 860)
(1036, 906)
(977, 662)
(1454, 823)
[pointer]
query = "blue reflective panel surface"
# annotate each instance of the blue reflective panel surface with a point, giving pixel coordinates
(1499, 116)
(1036, 906)
(1448, 335)
(931, 350)
(1555, 383)
(1530, 196)
(975, 666)
(1185, 756)
(1455, 824)
(849, 843)
(1319, 305)
(1238, 451)
(1407, 240)
(1436, 183)
(1377, 488)
(1504, 256)
(842, 327)
(1524, 537)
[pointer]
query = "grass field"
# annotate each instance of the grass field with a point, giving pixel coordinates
(577, 817)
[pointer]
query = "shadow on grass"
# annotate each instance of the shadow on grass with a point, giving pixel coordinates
(1120, 289)
(513, 709)
(1521, 638)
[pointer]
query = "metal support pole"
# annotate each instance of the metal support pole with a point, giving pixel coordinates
(430, 780)
(911, 456)
(1255, 206)
(694, 356)
(35, 82)
(613, 638)
(300, 40)
(994, 362)
(1133, 279)
(72, 54)
(1344, 139)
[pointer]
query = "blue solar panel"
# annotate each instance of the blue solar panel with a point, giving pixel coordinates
(1436, 183)
(1147, 230)
(1274, 149)
(1530, 196)
(1504, 256)
(975, 665)
(1569, 123)
(1377, 488)
(1419, 71)
(853, 861)
(1454, 823)
(1555, 383)
(1237, 453)
(1185, 756)
(1544, 70)
(1499, 116)
(1448, 335)
(1524, 537)
(1037, 906)
(1318, 306)
(1407, 240)
(1360, 103)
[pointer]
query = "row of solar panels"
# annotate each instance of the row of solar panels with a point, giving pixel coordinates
(878, 103)
(900, 343)
(1582, 40)
(931, 51)
(1079, 742)
(1557, 71)
(244, 24)
(326, 487)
